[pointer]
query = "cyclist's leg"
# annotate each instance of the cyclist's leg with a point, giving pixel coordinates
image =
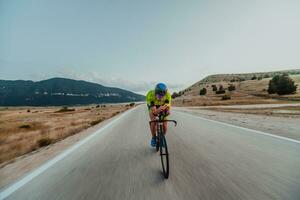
(153, 125)
(165, 127)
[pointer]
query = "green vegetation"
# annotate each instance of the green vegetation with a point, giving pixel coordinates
(221, 90)
(226, 97)
(25, 126)
(203, 91)
(214, 87)
(92, 123)
(254, 77)
(282, 84)
(65, 109)
(175, 95)
(44, 141)
(231, 88)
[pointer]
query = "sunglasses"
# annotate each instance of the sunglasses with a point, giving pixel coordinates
(160, 95)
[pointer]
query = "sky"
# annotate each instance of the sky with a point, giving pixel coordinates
(133, 44)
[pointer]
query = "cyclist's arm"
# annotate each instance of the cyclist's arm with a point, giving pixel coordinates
(149, 100)
(168, 100)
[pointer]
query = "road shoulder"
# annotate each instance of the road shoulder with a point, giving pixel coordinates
(278, 125)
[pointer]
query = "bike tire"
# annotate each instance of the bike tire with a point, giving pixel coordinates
(157, 143)
(164, 155)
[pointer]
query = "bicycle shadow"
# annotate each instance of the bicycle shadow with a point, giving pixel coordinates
(157, 176)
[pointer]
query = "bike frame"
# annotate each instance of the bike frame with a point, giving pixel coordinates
(161, 143)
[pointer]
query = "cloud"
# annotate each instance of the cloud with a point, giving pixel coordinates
(137, 86)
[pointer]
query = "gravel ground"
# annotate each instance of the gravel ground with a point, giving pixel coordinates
(286, 126)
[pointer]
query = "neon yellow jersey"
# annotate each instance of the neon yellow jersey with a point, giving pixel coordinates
(152, 100)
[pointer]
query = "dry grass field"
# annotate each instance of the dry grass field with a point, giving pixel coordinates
(26, 129)
(246, 92)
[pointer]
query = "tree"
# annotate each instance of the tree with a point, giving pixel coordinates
(282, 84)
(221, 90)
(214, 87)
(272, 84)
(231, 87)
(174, 95)
(203, 91)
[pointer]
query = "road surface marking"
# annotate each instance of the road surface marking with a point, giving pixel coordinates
(27, 178)
(247, 129)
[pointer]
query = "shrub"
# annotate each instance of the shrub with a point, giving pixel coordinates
(25, 126)
(131, 104)
(175, 95)
(282, 84)
(28, 110)
(44, 141)
(226, 97)
(266, 76)
(115, 113)
(221, 90)
(259, 78)
(203, 91)
(231, 87)
(97, 121)
(65, 109)
(214, 87)
(254, 77)
(97, 106)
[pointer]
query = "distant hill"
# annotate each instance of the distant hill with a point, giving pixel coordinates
(239, 77)
(244, 77)
(61, 91)
(249, 88)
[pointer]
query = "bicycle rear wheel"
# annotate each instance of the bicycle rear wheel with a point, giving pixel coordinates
(164, 155)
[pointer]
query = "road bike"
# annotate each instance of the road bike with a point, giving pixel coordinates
(161, 143)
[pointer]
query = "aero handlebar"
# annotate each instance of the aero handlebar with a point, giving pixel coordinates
(155, 121)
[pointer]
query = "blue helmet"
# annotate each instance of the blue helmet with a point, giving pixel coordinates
(161, 89)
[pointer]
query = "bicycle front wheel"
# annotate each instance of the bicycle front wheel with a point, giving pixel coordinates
(164, 155)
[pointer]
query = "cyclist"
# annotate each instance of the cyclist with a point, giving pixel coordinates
(158, 100)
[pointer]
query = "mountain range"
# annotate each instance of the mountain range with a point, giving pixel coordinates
(61, 91)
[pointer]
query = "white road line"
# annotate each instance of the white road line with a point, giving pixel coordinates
(27, 178)
(247, 129)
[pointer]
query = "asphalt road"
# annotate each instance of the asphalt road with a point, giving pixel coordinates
(208, 160)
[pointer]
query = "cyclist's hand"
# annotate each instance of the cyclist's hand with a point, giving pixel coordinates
(159, 110)
(164, 107)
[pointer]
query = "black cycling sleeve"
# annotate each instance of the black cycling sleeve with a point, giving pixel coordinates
(152, 104)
